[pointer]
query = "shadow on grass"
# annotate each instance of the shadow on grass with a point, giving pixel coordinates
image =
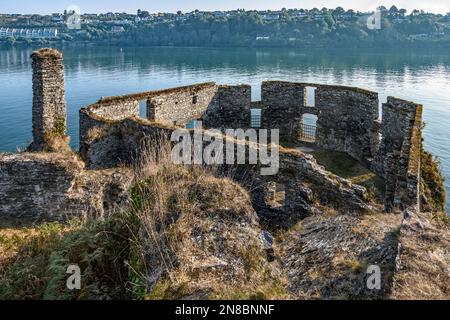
(343, 165)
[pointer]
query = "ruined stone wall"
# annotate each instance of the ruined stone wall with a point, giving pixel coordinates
(181, 105)
(121, 143)
(299, 187)
(347, 120)
(49, 104)
(117, 111)
(398, 158)
(281, 107)
(347, 117)
(95, 117)
(232, 110)
(302, 180)
(55, 186)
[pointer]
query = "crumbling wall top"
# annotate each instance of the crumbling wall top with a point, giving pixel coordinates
(47, 53)
(150, 94)
(325, 87)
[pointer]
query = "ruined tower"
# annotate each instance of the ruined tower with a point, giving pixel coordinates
(49, 103)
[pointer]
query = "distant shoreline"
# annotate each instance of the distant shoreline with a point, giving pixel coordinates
(329, 46)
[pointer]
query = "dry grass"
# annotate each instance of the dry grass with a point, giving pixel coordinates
(344, 263)
(24, 255)
(199, 232)
(94, 133)
(423, 261)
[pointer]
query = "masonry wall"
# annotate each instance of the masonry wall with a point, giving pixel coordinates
(181, 105)
(119, 110)
(122, 142)
(49, 104)
(347, 120)
(292, 194)
(54, 186)
(96, 117)
(282, 102)
(232, 110)
(398, 158)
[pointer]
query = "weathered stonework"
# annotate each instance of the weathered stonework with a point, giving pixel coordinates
(117, 111)
(303, 181)
(100, 115)
(324, 256)
(282, 102)
(347, 120)
(49, 104)
(303, 185)
(398, 158)
(122, 142)
(233, 108)
(55, 187)
(181, 105)
(347, 117)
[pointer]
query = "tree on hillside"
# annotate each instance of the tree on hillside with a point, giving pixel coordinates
(339, 10)
(393, 10)
(11, 41)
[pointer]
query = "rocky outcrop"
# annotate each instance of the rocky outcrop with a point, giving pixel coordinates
(327, 256)
(423, 262)
(302, 182)
(300, 189)
(201, 236)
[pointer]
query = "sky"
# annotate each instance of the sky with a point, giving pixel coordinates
(131, 6)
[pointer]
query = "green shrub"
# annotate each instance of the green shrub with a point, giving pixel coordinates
(433, 183)
(101, 250)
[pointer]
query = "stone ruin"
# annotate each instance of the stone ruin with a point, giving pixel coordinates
(49, 102)
(112, 134)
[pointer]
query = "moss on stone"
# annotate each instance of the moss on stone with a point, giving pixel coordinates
(433, 183)
(59, 127)
(47, 53)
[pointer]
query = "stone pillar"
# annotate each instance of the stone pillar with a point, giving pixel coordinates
(49, 103)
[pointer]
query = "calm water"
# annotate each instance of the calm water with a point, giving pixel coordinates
(94, 72)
